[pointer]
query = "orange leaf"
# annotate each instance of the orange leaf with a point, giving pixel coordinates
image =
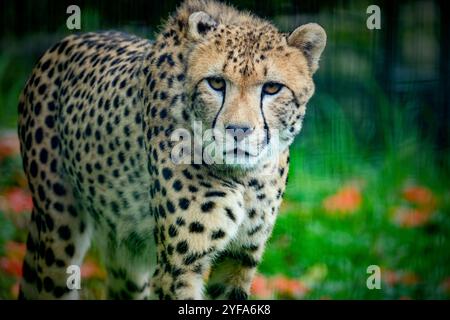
(345, 201)
(18, 200)
(410, 218)
(260, 287)
(420, 196)
(15, 250)
(393, 278)
(390, 277)
(9, 145)
(288, 287)
(13, 267)
(90, 269)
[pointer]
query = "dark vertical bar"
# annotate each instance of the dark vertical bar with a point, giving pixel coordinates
(389, 25)
(444, 88)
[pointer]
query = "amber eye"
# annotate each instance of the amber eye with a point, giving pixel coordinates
(272, 88)
(216, 83)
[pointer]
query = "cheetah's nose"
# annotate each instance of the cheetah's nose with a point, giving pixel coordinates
(238, 131)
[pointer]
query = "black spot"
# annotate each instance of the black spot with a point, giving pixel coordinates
(170, 206)
(230, 214)
(49, 122)
(190, 258)
(187, 174)
(180, 221)
(37, 108)
(60, 263)
(196, 227)
(192, 189)
(28, 141)
(177, 185)
(54, 142)
(64, 232)
(72, 210)
(101, 179)
(208, 206)
(42, 88)
(41, 193)
(130, 92)
(39, 135)
(121, 157)
(43, 156)
(45, 65)
(33, 169)
(30, 244)
(182, 247)
(254, 230)
(48, 284)
(218, 234)
(184, 203)
(173, 232)
(51, 106)
(251, 213)
(49, 257)
(53, 166)
(58, 206)
(167, 173)
(70, 250)
(28, 273)
(59, 189)
(215, 194)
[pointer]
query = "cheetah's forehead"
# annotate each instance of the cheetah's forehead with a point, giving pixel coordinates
(248, 38)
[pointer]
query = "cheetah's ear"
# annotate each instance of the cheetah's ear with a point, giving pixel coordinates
(311, 40)
(200, 23)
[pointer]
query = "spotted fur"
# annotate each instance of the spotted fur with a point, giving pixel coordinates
(96, 117)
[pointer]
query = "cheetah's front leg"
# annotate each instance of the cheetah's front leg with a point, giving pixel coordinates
(180, 275)
(233, 270)
(187, 244)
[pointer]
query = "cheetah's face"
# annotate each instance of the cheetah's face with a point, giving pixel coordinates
(250, 85)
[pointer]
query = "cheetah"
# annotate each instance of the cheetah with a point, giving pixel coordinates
(96, 124)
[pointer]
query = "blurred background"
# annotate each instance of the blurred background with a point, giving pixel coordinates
(369, 175)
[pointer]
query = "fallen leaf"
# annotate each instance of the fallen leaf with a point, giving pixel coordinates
(390, 277)
(9, 145)
(12, 267)
(15, 250)
(17, 200)
(261, 287)
(344, 202)
(91, 269)
(420, 196)
(288, 287)
(393, 278)
(410, 217)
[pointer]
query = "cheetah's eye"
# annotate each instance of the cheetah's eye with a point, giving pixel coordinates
(271, 88)
(217, 84)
